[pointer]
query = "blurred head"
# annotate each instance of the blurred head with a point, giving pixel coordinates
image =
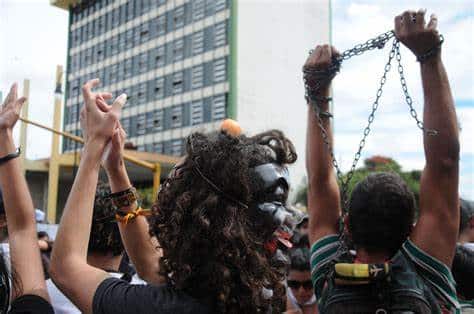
(381, 213)
(43, 235)
(463, 272)
(466, 222)
(105, 235)
(209, 224)
(299, 275)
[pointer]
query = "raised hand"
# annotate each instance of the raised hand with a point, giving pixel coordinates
(317, 65)
(412, 31)
(99, 120)
(112, 158)
(10, 110)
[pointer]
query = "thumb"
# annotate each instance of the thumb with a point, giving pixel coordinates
(118, 104)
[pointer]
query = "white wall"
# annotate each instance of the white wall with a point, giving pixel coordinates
(273, 40)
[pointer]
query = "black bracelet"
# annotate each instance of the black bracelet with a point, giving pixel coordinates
(10, 156)
(432, 52)
(325, 114)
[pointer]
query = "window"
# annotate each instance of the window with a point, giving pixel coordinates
(121, 42)
(197, 76)
(198, 43)
(220, 72)
(143, 62)
(144, 32)
(126, 124)
(221, 5)
(197, 116)
(158, 56)
(141, 94)
(113, 45)
(176, 116)
(157, 122)
(198, 9)
(90, 30)
(141, 119)
(100, 51)
(159, 88)
(128, 66)
(178, 50)
(220, 33)
(158, 148)
(176, 147)
(129, 39)
(178, 19)
(113, 73)
(218, 108)
(178, 82)
(88, 57)
(160, 25)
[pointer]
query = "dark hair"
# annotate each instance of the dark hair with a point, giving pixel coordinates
(467, 212)
(42, 234)
(300, 259)
(105, 234)
(4, 286)
(211, 247)
(381, 213)
(463, 272)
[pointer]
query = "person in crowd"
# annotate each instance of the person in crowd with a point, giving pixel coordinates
(45, 246)
(4, 246)
(463, 273)
(300, 293)
(105, 250)
(381, 207)
(26, 291)
(466, 224)
(219, 219)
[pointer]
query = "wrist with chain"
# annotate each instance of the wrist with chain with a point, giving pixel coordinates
(434, 51)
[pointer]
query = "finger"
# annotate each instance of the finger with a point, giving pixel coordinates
(334, 52)
(398, 25)
(433, 23)
(116, 142)
(106, 96)
(408, 23)
(420, 18)
(103, 106)
(19, 103)
(118, 104)
(87, 90)
(12, 94)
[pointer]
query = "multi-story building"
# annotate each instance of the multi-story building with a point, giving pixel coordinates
(188, 64)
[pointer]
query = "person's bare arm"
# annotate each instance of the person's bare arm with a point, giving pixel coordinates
(140, 246)
(324, 206)
(24, 250)
(439, 199)
(69, 268)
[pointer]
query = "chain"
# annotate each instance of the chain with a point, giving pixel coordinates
(408, 98)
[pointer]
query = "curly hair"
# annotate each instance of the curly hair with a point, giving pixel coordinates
(212, 249)
(105, 234)
(381, 212)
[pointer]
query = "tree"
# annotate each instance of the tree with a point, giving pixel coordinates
(373, 164)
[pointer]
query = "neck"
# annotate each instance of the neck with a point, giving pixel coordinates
(104, 261)
(372, 258)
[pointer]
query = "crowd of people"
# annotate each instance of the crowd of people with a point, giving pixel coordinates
(221, 238)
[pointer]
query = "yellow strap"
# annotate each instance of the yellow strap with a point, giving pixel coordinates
(131, 216)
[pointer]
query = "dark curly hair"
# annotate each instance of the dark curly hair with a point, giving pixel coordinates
(212, 249)
(300, 259)
(105, 235)
(381, 213)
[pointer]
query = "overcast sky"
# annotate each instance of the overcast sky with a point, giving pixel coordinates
(33, 40)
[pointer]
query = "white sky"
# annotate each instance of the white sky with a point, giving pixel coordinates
(33, 40)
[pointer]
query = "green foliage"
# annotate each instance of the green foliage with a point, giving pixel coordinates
(147, 197)
(373, 164)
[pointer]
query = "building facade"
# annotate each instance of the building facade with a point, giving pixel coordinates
(188, 64)
(170, 57)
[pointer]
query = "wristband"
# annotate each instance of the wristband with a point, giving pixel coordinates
(126, 218)
(11, 156)
(124, 198)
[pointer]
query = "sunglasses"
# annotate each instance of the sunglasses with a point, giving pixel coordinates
(295, 284)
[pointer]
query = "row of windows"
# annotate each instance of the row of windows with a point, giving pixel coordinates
(171, 147)
(163, 24)
(196, 77)
(187, 114)
(194, 44)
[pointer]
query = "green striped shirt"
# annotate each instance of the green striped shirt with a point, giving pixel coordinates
(437, 275)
